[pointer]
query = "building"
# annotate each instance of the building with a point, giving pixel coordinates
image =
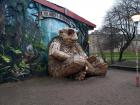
(99, 41)
(96, 40)
(51, 18)
(132, 47)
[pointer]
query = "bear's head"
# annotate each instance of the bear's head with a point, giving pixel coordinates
(69, 34)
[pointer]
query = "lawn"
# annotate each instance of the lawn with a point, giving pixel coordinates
(129, 56)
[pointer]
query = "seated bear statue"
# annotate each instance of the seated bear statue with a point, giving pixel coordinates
(67, 58)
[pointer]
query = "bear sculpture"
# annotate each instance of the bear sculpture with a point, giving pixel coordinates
(67, 58)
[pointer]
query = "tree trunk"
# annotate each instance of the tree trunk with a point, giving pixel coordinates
(103, 56)
(123, 49)
(120, 55)
(112, 56)
(101, 50)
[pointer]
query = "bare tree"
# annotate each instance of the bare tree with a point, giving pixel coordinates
(120, 18)
(111, 39)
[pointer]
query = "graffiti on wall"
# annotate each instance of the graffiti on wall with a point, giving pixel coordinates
(50, 14)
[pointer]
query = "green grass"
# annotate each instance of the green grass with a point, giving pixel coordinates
(127, 55)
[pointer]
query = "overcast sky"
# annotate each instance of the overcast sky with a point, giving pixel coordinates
(92, 10)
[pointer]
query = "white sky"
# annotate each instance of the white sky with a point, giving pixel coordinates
(92, 10)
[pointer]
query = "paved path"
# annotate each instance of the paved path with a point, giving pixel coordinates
(117, 88)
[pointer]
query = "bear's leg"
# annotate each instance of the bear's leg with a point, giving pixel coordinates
(80, 75)
(71, 67)
(100, 69)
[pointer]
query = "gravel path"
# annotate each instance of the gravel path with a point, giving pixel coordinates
(117, 88)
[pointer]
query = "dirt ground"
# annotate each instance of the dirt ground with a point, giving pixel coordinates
(117, 88)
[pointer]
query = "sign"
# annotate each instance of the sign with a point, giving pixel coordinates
(50, 14)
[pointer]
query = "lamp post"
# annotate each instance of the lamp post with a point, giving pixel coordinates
(136, 19)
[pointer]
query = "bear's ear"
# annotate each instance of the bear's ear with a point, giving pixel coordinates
(60, 32)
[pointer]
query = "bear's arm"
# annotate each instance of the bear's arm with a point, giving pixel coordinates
(54, 51)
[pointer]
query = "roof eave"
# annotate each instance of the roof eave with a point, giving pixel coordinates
(66, 12)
